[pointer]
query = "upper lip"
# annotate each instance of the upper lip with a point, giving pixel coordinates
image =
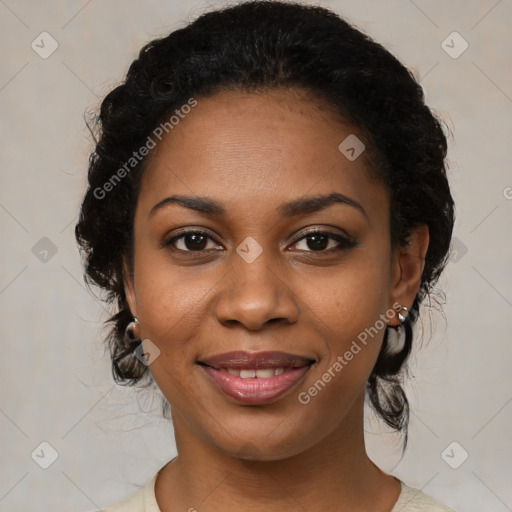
(243, 360)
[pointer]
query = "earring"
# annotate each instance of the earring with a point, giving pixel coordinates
(396, 335)
(132, 331)
(402, 313)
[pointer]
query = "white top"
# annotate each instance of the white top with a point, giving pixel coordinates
(410, 500)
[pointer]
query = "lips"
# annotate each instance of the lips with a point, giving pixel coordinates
(255, 378)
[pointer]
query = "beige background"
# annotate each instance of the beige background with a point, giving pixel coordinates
(56, 383)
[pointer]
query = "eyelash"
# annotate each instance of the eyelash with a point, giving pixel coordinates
(344, 242)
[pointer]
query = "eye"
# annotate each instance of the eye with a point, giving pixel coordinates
(323, 241)
(313, 241)
(191, 241)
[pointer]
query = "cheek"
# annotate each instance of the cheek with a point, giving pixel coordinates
(350, 310)
(353, 341)
(171, 311)
(168, 297)
(351, 319)
(351, 297)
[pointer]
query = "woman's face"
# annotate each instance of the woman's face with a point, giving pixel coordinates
(258, 170)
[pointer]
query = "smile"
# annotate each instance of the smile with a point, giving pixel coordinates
(255, 378)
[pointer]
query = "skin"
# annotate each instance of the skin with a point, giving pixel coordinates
(252, 152)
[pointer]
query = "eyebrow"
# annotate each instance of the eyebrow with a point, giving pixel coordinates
(300, 206)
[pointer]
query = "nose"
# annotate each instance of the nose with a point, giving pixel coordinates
(254, 294)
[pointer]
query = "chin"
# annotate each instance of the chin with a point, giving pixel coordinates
(263, 449)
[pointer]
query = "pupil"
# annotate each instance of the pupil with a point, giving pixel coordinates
(198, 241)
(319, 242)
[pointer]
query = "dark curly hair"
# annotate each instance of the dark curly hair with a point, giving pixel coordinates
(266, 45)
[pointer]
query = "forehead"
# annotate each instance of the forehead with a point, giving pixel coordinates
(256, 148)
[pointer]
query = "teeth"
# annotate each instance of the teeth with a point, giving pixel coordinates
(266, 373)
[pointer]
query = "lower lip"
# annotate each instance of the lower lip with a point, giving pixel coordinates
(256, 390)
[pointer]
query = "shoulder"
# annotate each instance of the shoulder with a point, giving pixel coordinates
(133, 503)
(142, 500)
(415, 500)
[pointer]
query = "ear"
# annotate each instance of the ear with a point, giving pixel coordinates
(407, 269)
(129, 289)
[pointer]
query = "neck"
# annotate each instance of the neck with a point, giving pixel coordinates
(335, 474)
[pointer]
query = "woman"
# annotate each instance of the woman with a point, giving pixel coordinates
(267, 208)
